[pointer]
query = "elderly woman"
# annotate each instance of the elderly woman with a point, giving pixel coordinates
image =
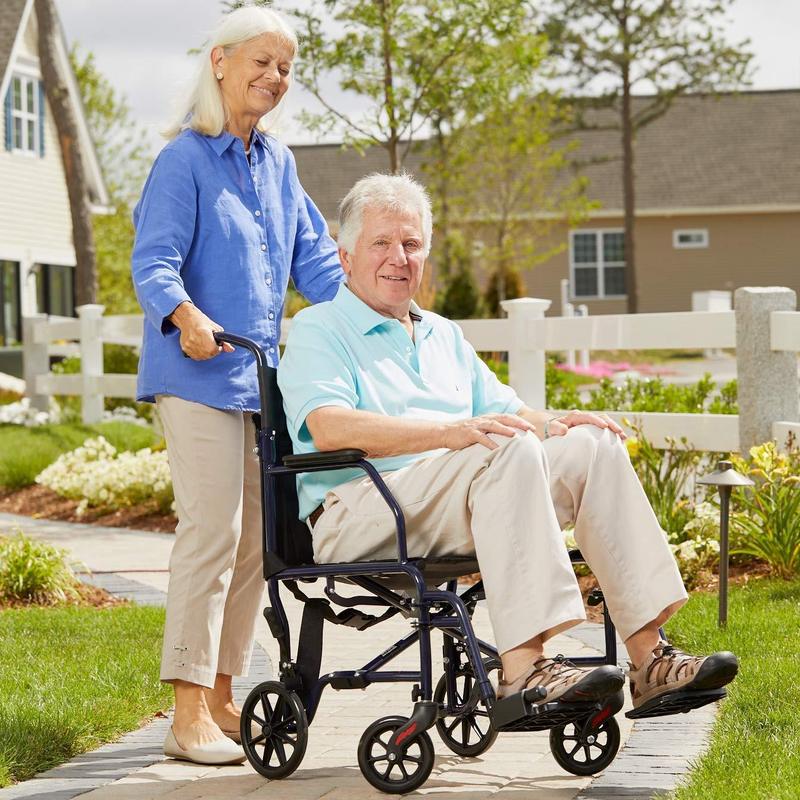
(222, 224)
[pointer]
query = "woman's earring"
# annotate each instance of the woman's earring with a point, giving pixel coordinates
(219, 76)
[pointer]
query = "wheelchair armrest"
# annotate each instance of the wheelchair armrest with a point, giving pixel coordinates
(336, 458)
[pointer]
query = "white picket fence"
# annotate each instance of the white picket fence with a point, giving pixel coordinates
(766, 342)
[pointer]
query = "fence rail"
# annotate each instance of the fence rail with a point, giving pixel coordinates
(764, 329)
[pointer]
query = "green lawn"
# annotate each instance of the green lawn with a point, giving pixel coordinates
(72, 678)
(755, 747)
(25, 452)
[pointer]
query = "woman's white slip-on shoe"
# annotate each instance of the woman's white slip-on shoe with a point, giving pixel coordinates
(221, 751)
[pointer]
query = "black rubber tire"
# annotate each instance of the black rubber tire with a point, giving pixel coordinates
(273, 720)
(373, 749)
(456, 731)
(567, 741)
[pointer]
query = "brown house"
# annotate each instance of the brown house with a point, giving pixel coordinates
(718, 203)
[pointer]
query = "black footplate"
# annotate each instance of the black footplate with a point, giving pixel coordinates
(676, 703)
(522, 712)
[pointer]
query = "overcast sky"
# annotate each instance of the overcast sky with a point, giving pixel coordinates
(141, 47)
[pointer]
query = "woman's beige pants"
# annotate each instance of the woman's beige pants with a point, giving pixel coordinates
(508, 507)
(216, 580)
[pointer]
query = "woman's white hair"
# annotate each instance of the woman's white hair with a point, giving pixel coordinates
(396, 193)
(203, 109)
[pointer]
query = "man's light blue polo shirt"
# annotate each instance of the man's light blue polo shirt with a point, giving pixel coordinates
(343, 353)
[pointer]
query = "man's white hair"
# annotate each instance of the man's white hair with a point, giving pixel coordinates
(396, 193)
(203, 109)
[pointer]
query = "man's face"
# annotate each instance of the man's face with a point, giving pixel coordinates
(385, 269)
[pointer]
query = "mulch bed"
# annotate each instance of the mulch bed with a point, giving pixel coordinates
(40, 502)
(88, 596)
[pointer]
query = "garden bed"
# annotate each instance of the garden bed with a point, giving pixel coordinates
(40, 502)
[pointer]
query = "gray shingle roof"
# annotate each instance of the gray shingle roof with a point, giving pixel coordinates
(10, 17)
(732, 150)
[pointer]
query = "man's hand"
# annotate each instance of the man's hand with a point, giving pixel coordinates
(476, 430)
(559, 427)
(197, 333)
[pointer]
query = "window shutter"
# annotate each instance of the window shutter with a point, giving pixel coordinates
(42, 109)
(9, 121)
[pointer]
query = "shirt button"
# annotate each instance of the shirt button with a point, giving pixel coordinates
(271, 350)
(263, 247)
(269, 281)
(271, 315)
(258, 212)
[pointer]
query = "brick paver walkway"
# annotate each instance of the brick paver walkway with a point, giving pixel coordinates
(134, 564)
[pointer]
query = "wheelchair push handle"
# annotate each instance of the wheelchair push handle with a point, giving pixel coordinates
(220, 337)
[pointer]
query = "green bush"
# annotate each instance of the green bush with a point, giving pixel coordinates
(766, 522)
(25, 452)
(33, 571)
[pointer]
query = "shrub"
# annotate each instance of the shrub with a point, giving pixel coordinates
(9, 396)
(32, 571)
(767, 524)
(100, 477)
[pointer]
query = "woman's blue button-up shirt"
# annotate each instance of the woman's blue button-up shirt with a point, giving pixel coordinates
(227, 235)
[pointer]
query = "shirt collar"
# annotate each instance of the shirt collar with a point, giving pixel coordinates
(225, 139)
(367, 319)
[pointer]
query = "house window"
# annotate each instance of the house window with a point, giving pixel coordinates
(690, 239)
(55, 290)
(10, 317)
(597, 263)
(24, 120)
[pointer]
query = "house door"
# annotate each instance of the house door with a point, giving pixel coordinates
(10, 301)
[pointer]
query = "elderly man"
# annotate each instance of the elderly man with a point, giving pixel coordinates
(475, 470)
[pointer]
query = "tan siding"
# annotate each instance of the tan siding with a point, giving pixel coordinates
(28, 45)
(744, 250)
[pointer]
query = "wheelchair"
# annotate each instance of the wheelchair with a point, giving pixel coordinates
(395, 753)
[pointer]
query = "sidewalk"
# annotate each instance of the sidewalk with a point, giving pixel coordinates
(134, 564)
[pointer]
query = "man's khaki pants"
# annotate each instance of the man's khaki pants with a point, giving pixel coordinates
(508, 506)
(216, 580)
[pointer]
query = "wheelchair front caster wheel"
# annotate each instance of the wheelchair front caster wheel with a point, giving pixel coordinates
(467, 731)
(274, 730)
(585, 747)
(394, 775)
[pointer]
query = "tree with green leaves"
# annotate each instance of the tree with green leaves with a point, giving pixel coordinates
(513, 186)
(403, 60)
(124, 158)
(667, 47)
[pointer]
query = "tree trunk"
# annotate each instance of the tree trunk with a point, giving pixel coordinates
(628, 175)
(74, 170)
(443, 189)
(388, 88)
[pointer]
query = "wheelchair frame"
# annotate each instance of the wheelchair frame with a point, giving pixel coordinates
(298, 692)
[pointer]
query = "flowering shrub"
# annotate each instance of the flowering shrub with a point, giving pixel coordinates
(21, 413)
(696, 547)
(100, 477)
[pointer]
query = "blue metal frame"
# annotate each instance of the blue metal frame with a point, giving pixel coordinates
(454, 622)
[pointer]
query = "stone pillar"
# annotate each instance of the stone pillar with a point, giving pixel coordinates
(35, 361)
(526, 365)
(91, 317)
(768, 388)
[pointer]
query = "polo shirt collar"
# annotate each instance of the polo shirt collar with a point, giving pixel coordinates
(367, 319)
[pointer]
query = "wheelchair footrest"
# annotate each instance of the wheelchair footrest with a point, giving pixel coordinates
(676, 703)
(516, 713)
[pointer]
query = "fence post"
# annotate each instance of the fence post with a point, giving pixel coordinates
(767, 379)
(91, 361)
(35, 361)
(526, 366)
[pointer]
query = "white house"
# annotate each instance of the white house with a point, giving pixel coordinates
(37, 259)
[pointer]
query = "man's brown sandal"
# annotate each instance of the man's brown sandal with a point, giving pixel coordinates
(670, 671)
(564, 681)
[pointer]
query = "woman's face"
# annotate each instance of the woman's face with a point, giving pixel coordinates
(256, 76)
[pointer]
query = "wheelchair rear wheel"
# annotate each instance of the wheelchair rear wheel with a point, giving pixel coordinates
(585, 747)
(394, 775)
(468, 732)
(274, 730)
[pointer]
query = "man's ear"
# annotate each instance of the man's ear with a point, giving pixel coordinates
(344, 258)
